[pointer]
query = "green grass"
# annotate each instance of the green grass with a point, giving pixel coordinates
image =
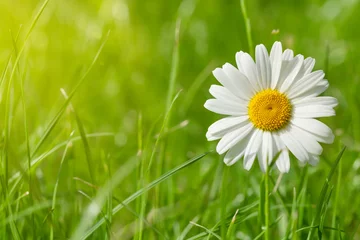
(103, 125)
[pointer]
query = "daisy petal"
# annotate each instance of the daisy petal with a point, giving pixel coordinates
(304, 84)
(232, 138)
(252, 148)
(326, 101)
(288, 55)
(242, 83)
(308, 141)
(295, 67)
(266, 152)
(225, 125)
(313, 92)
(283, 162)
(286, 68)
(313, 111)
(238, 56)
(226, 108)
(319, 130)
(263, 67)
(305, 68)
(248, 67)
(294, 145)
(222, 93)
(275, 60)
(313, 160)
(227, 82)
(236, 152)
(309, 64)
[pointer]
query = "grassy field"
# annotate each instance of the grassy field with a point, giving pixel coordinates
(103, 125)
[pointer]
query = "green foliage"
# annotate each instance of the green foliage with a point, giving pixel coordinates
(138, 73)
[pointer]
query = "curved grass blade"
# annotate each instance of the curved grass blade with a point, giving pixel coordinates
(322, 202)
(94, 208)
(71, 95)
(82, 232)
(247, 27)
(83, 138)
(56, 187)
(210, 232)
(16, 178)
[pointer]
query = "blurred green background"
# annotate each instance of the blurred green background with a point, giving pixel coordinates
(130, 81)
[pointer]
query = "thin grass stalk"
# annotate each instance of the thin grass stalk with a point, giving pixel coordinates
(55, 190)
(83, 233)
(336, 201)
(225, 172)
(168, 105)
(267, 205)
(247, 27)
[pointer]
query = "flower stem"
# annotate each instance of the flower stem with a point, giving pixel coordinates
(267, 205)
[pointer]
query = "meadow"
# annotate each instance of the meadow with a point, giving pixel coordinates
(103, 122)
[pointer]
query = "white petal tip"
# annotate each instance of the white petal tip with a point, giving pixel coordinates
(220, 149)
(206, 104)
(229, 162)
(216, 71)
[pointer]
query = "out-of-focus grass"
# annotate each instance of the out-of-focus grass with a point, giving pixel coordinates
(131, 78)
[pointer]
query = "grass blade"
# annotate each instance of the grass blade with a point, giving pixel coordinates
(83, 138)
(82, 233)
(323, 194)
(71, 95)
(247, 27)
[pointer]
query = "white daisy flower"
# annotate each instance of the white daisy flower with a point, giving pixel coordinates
(271, 106)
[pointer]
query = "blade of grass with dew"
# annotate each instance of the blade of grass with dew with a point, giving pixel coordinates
(83, 233)
(83, 138)
(320, 205)
(247, 27)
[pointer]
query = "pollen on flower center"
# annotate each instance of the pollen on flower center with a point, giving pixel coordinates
(269, 110)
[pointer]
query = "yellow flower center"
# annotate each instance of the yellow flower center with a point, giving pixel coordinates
(269, 110)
